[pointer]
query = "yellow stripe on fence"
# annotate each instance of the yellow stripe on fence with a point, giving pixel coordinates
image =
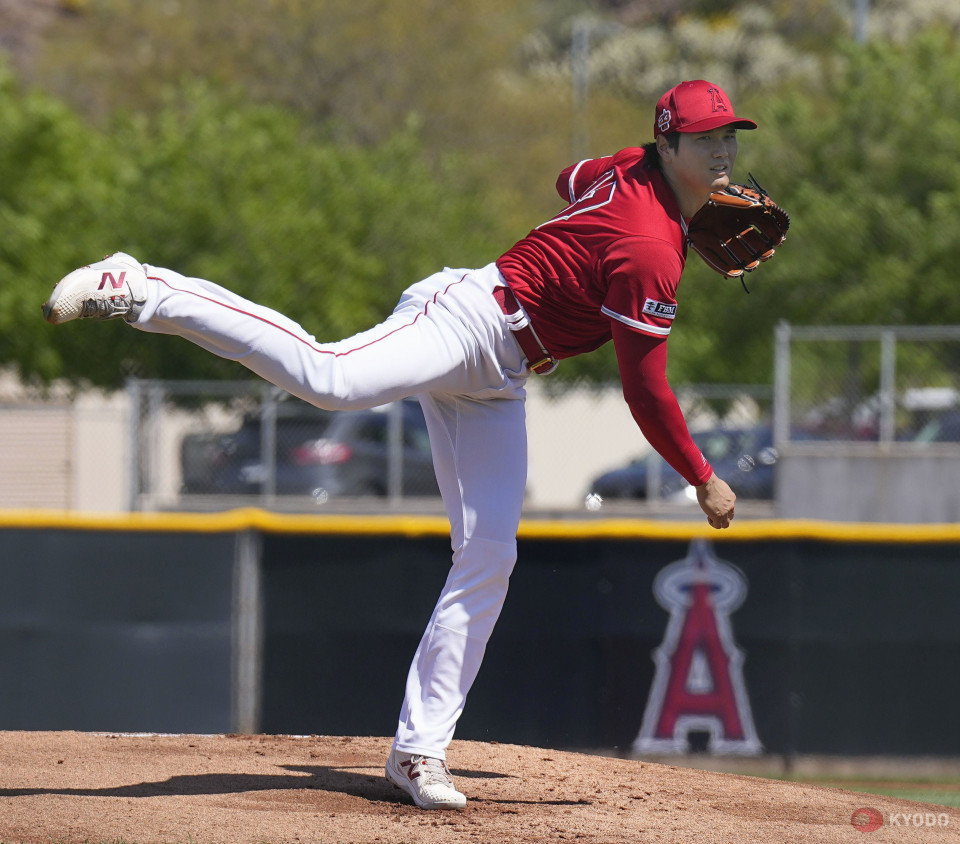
(531, 528)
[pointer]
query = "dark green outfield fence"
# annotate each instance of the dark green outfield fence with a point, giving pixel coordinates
(776, 637)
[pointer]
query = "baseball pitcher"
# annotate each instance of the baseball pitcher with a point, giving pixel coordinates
(465, 341)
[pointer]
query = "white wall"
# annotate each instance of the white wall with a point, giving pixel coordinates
(75, 455)
(575, 437)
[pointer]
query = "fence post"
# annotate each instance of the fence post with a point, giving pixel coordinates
(888, 374)
(268, 444)
(654, 476)
(395, 452)
(158, 397)
(247, 634)
(781, 384)
(134, 394)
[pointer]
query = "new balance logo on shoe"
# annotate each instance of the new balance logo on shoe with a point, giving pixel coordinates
(114, 288)
(115, 283)
(427, 780)
(411, 771)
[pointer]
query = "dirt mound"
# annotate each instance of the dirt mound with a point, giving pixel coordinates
(79, 787)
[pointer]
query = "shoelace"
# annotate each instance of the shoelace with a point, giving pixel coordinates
(433, 771)
(113, 306)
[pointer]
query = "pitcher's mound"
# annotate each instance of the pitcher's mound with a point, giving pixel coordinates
(67, 788)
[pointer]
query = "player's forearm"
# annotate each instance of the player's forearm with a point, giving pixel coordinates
(654, 407)
(664, 427)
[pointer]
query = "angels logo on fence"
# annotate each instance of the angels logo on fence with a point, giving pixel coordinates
(698, 685)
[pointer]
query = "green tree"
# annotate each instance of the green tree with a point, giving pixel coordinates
(360, 69)
(54, 173)
(247, 195)
(471, 102)
(867, 168)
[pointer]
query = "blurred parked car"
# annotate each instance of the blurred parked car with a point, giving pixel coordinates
(938, 428)
(211, 462)
(744, 457)
(933, 415)
(318, 453)
(919, 414)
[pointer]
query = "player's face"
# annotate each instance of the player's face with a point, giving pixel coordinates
(702, 163)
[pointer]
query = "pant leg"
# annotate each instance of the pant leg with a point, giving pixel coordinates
(480, 454)
(446, 334)
(448, 341)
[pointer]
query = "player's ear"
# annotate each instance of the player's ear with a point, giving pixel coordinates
(663, 147)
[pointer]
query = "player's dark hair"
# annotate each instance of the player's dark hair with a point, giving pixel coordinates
(651, 155)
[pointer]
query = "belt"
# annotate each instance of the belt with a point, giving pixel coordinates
(539, 360)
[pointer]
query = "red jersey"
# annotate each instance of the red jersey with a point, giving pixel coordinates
(616, 252)
(608, 266)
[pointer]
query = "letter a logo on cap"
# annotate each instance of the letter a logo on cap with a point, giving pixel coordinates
(717, 98)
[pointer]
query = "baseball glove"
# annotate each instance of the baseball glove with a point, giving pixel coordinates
(739, 227)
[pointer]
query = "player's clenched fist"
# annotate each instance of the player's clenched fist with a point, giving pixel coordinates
(717, 500)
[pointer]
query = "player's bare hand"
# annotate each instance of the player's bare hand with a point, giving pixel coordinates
(717, 500)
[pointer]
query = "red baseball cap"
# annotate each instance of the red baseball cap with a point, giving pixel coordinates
(697, 106)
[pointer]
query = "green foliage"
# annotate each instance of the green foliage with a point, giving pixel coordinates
(53, 171)
(359, 68)
(368, 143)
(246, 195)
(867, 169)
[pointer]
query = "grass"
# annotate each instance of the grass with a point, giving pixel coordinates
(942, 792)
(940, 798)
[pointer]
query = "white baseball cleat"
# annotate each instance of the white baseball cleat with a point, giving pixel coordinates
(115, 287)
(426, 780)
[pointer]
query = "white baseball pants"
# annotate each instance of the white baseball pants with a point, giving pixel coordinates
(448, 343)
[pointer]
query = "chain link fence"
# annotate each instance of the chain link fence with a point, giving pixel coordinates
(867, 384)
(199, 445)
(867, 423)
(211, 445)
(841, 394)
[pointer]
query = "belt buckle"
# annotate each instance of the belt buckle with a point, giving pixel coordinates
(544, 366)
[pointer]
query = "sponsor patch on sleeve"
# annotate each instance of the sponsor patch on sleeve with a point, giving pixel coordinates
(665, 310)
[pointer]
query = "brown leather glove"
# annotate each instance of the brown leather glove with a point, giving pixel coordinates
(737, 228)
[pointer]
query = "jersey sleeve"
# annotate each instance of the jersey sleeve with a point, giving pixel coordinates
(641, 275)
(575, 179)
(642, 361)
